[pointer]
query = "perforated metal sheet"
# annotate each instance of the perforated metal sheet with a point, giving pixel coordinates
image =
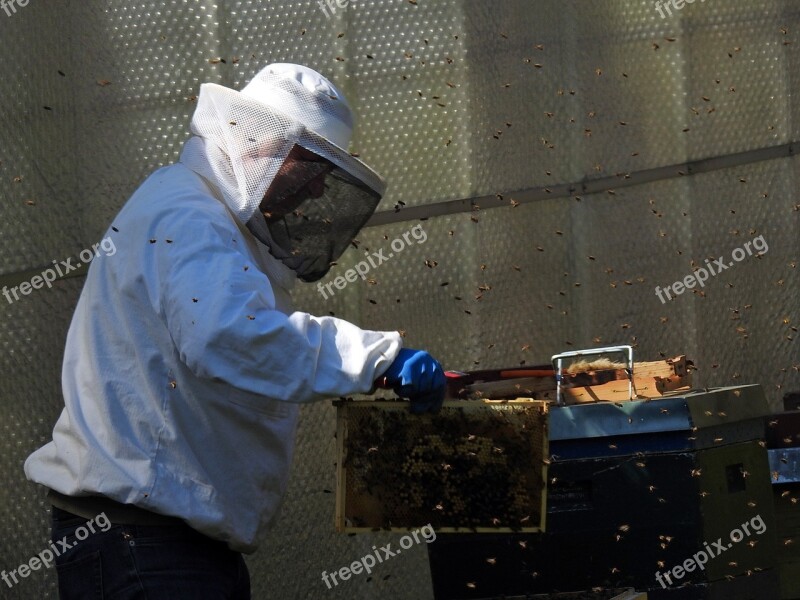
(37, 176)
(614, 89)
(32, 335)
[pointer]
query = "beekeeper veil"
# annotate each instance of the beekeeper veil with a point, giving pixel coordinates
(286, 132)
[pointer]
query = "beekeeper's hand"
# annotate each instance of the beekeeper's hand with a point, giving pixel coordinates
(416, 375)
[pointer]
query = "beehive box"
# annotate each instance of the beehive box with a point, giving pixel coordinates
(477, 466)
(783, 443)
(595, 594)
(634, 488)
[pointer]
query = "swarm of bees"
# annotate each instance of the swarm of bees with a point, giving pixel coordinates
(462, 468)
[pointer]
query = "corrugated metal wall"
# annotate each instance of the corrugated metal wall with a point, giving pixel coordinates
(457, 99)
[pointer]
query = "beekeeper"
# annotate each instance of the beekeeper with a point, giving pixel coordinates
(185, 363)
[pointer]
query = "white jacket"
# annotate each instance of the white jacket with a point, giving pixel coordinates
(185, 366)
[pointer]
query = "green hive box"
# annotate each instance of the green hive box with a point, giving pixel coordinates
(635, 488)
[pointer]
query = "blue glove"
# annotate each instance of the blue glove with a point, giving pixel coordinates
(416, 375)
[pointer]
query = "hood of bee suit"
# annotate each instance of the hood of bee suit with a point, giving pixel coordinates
(242, 139)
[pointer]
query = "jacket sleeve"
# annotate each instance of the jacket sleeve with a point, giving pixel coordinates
(220, 310)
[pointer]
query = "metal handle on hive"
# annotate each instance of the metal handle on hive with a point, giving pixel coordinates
(557, 360)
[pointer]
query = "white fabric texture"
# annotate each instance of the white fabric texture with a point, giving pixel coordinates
(332, 119)
(185, 363)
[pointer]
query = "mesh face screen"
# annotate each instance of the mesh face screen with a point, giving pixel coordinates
(315, 234)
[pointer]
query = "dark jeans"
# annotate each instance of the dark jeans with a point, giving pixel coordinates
(134, 562)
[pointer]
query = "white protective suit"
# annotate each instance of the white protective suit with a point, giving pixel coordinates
(185, 363)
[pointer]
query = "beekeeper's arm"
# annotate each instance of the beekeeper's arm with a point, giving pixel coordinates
(220, 311)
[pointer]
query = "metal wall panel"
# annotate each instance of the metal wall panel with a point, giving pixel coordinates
(32, 335)
(37, 176)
